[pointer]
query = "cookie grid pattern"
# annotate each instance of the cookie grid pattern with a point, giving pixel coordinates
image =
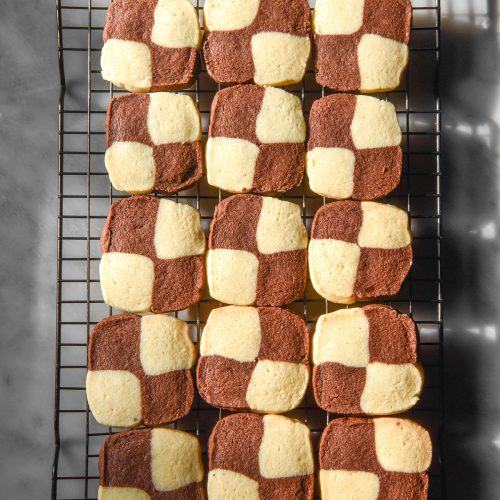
(152, 143)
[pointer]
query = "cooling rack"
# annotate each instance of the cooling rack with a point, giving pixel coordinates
(85, 195)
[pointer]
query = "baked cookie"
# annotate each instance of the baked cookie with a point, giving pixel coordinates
(266, 41)
(254, 359)
(151, 464)
(365, 361)
(260, 457)
(139, 370)
(153, 143)
(361, 44)
(255, 140)
(374, 459)
(257, 251)
(353, 149)
(359, 250)
(150, 45)
(153, 255)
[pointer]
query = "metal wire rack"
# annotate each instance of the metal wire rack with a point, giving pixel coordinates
(85, 195)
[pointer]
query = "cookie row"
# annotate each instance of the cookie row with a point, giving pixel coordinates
(365, 459)
(152, 45)
(252, 359)
(256, 142)
(154, 252)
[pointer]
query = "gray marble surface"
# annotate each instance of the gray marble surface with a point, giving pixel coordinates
(471, 271)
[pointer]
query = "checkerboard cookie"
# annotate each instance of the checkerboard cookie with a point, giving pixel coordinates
(353, 149)
(359, 250)
(374, 459)
(361, 44)
(260, 457)
(153, 143)
(151, 464)
(254, 359)
(266, 41)
(257, 251)
(255, 140)
(139, 370)
(365, 361)
(153, 255)
(150, 45)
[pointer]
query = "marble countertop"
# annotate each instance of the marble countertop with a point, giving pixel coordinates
(471, 254)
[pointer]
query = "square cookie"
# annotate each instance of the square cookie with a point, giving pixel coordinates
(149, 464)
(359, 250)
(353, 149)
(150, 45)
(153, 255)
(257, 251)
(139, 370)
(255, 140)
(365, 361)
(264, 41)
(374, 459)
(254, 359)
(153, 143)
(276, 460)
(361, 45)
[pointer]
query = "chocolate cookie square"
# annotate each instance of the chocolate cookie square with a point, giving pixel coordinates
(151, 464)
(353, 149)
(139, 370)
(255, 140)
(257, 251)
(359, 250)
(254, 359)
(365, 361)
(264, 41)
(361, 45)
(277, 462)
(153, 255)
(153, 143)
(150, 45)
(374, 459)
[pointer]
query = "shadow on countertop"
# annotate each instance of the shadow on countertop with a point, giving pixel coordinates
(471, 250)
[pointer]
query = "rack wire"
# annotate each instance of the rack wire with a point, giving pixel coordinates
(85, 195)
